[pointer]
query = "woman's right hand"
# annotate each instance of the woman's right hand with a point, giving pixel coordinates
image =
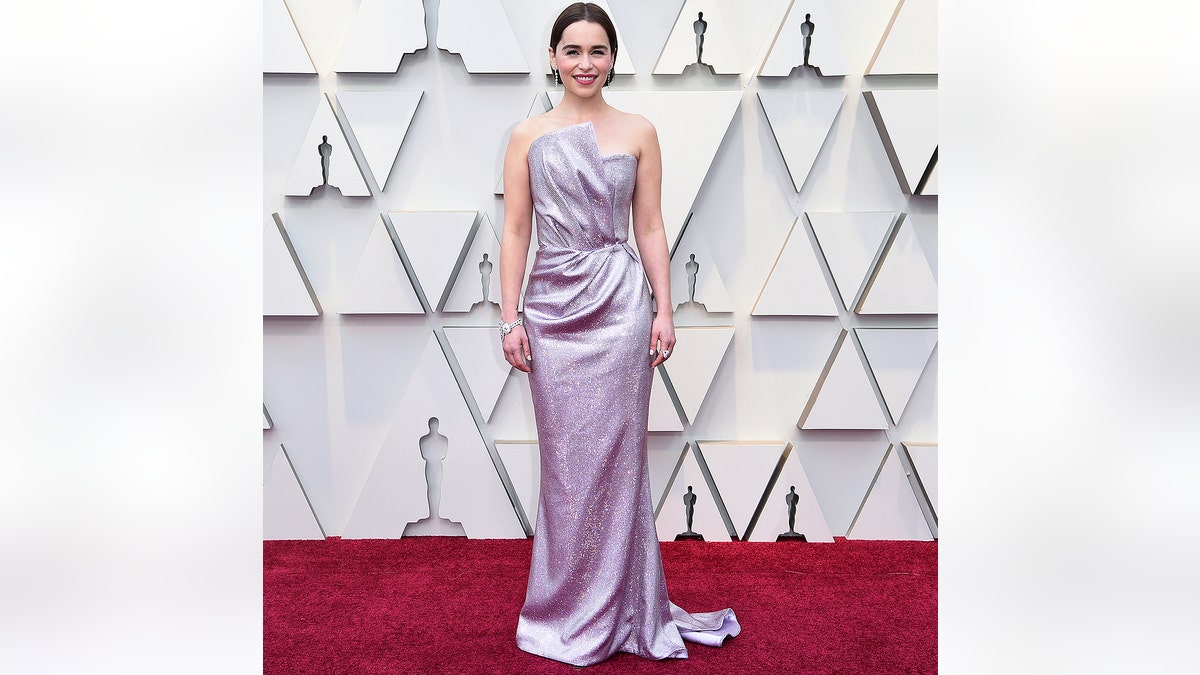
(516, 349)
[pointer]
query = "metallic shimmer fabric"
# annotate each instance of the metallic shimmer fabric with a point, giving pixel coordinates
(596, 582)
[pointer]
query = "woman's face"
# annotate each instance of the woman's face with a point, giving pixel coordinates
(583, 58)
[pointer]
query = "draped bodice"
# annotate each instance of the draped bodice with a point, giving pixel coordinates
(581, 198)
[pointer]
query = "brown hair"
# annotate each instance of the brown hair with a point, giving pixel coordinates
(584, 11)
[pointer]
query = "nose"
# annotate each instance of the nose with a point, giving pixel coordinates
(586, 64)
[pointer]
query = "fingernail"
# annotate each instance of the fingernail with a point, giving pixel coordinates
(652, 352)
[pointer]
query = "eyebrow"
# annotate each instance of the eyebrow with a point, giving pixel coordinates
(578, 47)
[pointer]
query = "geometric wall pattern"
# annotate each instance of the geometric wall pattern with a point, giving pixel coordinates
(707, 520)
(380, 285)
(480, 270)
(843, 397)
(435, 243)
(800, 121)
(807, 354)
(480, 32)
(286, 288)
(741, 472)
(700, 35)
(323, 158)
(851, 244)
(283, 51)
(924, 460)
(795, 285)
(890, 509)
(398, 490)
(379, 121)
(910, 44)
(907, 123)
(286, 511)
(382, 33)
(897, 357)
(903, 282)
(698, 354)
(809, 519)
(695, 277)
(825, 50)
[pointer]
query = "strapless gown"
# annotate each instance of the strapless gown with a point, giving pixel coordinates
(596, 583)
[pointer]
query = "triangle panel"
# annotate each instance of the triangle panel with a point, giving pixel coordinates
(890, 510)
(904, 283)
(379, 121)
(471, 493)
(663, 415)
(695, 276)
(706, 518)
(480, 32)
(286, 288)
(512, 418)
(931, 184)
(826, 51)
(482, 362)
(907, 122)
(478, 280)
(850, 243)
(800, 122)
(717, 49)
(910, 44)
(283, 50)
(810, 519)
(287, 513)
(380, 284)
(897, 357)
(924, 460)
(741, 471)
(382, 33)
(325, 140)
(433, 242)
(523, 465)
(844, 398)
(698, 354)
(795, 286)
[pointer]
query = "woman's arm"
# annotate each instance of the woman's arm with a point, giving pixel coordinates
(651, 238)
(514, 243)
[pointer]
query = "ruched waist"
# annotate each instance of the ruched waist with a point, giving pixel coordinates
(548, 249)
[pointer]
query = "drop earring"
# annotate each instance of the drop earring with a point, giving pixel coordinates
(557, 77)
(608, 80)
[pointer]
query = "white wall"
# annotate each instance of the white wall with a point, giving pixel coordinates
(332, 383)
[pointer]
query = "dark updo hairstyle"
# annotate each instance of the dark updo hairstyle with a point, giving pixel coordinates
(584, 11)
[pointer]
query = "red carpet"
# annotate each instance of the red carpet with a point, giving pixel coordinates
(449, 605)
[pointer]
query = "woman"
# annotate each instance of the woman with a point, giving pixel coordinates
(590, 341)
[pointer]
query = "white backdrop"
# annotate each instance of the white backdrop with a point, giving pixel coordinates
(334, 384)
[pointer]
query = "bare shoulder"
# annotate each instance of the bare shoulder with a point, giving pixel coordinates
(636, 125)
(525, 131)
(641, 130)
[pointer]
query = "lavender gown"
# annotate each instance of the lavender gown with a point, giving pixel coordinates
(596, 583)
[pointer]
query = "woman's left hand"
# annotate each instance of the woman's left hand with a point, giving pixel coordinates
(662, 338)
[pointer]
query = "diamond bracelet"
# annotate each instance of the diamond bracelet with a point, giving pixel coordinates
(506, 328)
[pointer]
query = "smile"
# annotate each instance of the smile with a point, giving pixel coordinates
(585, 79)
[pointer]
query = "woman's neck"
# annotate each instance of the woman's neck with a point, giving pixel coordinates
(582, 109)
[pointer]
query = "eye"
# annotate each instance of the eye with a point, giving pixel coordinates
(571, 52)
